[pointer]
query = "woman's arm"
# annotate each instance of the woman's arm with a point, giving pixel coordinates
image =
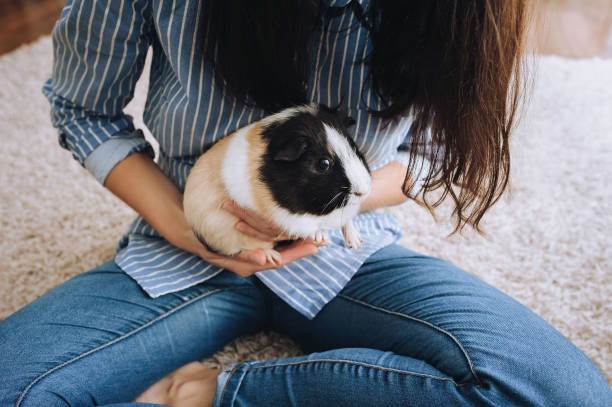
(97, 61)
(139, 182)
(387, 185)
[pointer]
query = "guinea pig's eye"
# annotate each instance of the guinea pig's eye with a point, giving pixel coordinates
(323, 164)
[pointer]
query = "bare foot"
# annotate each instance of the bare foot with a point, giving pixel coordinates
(192, 385)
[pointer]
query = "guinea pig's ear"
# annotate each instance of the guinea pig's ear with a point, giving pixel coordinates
(290, 150)
(349, 121)
(346, 120)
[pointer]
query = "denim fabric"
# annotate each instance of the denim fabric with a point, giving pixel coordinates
(407, 330)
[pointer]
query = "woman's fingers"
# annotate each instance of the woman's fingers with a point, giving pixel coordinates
(244, 263)
(257, 226)
(249, 262)
(297, 250)
(247, 229)
(255, 257)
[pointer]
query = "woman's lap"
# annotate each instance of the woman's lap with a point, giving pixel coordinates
(463, 339)
(406, 325)
(98, 339)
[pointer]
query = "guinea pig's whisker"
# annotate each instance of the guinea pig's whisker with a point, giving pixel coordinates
(332, 200)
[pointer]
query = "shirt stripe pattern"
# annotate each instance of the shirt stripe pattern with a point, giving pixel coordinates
(99, 53)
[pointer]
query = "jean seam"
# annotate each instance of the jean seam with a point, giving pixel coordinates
(226, 384)
(361, 364)
(347, 362)
(429, 324)
(118, 339)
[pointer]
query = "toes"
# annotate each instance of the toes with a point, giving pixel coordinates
(352, 238)
(356, 244)
(274, 257)
(320, 238)
(353, 242)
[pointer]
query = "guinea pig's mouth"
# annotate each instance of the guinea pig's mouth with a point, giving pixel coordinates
(345, 199)
(353, 199)
(340, 200)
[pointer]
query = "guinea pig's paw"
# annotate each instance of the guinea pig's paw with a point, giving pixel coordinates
(320, 238)
(352, 239)
(274, 257)
(353, 242)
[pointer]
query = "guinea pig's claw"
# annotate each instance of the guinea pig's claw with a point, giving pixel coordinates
(320, 238)
(354, 244)
(274, 257)
(352, 239)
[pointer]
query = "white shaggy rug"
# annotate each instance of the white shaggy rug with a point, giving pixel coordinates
(549, 243)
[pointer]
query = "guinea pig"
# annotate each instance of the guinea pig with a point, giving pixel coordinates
(297, 168)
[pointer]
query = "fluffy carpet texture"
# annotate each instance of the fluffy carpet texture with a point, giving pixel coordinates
(548, 242)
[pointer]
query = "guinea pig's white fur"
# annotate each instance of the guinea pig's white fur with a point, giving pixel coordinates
(229, 170)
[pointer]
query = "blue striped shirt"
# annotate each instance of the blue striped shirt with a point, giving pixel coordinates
(99, 53)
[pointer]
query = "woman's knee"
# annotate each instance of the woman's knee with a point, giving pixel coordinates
(546, 388)
(75, 339)
(540, 367)
(510, 350)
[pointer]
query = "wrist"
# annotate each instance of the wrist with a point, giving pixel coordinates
(387, 185)
(188, 241)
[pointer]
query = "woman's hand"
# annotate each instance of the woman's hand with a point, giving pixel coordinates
(140, 183)
(254, 225)
(249, 262)
(246, 262)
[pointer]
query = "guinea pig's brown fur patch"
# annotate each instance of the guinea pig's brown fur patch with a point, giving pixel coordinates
(205, 193)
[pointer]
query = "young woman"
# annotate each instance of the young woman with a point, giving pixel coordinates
(382, 326)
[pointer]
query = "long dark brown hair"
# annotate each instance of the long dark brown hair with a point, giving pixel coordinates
(454, 65)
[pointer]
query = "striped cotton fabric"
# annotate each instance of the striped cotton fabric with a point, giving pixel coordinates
(99, 53)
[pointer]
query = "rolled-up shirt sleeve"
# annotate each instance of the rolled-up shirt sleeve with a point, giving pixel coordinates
(99, 53)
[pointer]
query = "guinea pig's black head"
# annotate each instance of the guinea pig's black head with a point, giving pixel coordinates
(311, 164)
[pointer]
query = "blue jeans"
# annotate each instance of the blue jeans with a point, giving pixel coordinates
(408, 330)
